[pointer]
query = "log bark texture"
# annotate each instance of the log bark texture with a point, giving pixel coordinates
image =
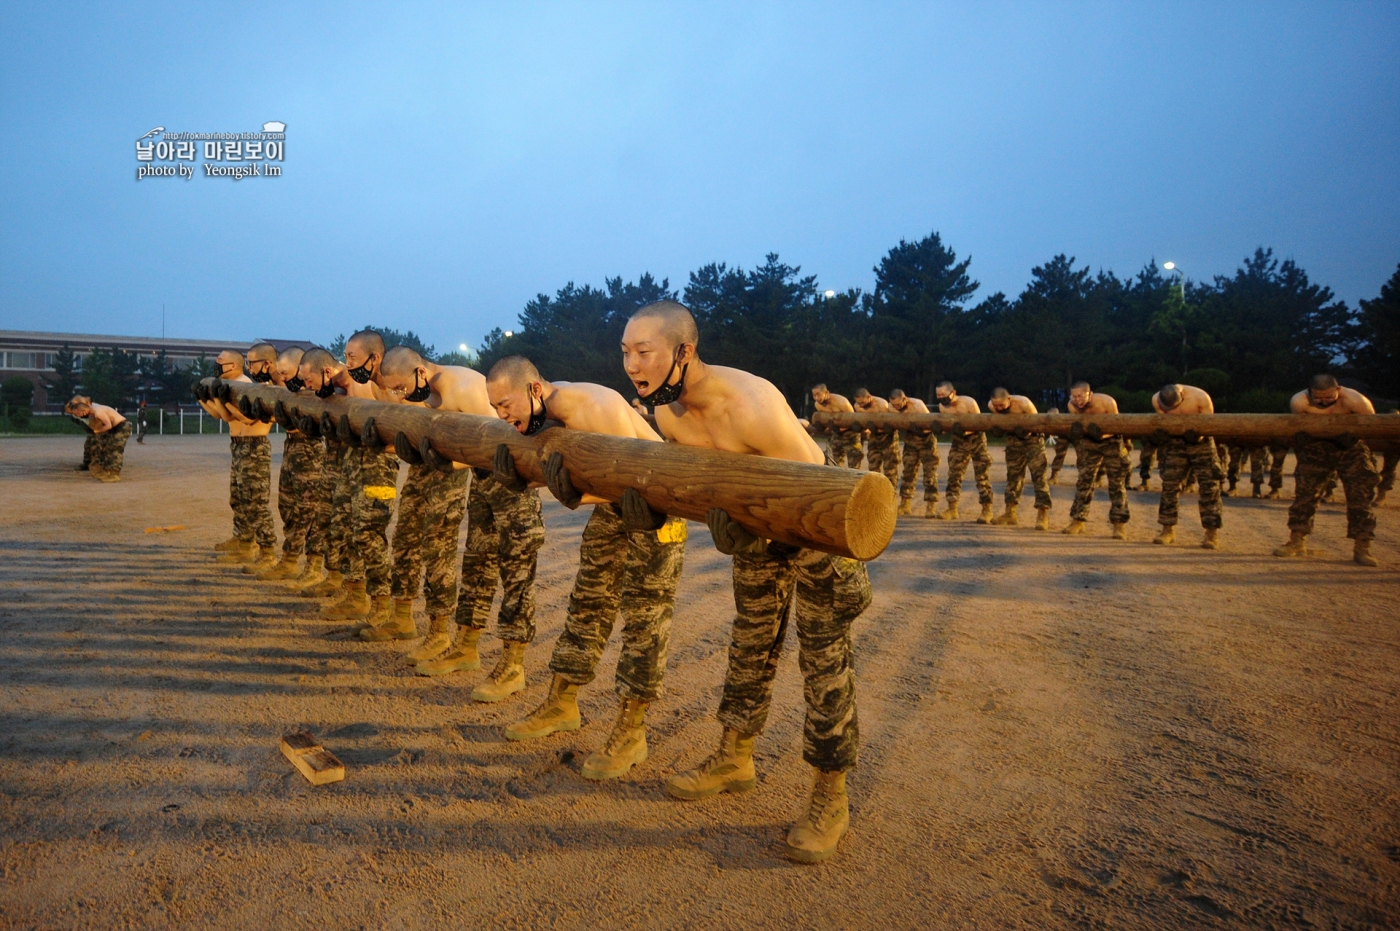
(836, 510)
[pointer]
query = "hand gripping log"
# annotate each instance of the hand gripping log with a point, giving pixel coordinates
(831, 509)
(1381, 431)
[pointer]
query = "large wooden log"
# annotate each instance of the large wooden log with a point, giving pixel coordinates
(1294, 429)
(835, 510)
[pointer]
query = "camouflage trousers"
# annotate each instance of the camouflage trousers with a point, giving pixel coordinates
(970, 448)
(1062, 447)
(882, 452)
(1357, 470)
(1149, 451)
(920, 449)
(1279, 453)
(1231, 459)
(431, 508)
(109, 449)
(1022, 456)
(1178, 458)
(844, 449)
(371, 508)
(250, 488)
(325, 536)
(633, 574)
(504, 534)
(1259, 462)
(297, 482)
(1388, 472)
(1109, 454)
(831, 592)
(89, 445)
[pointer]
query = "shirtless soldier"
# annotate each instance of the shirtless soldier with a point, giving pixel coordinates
(845, 442)
(108, 433)
(723, 408)
(1090, 454)
(302, 458)
(882, 448)
(1022, 454)
(1180, 456)
(967, 447)
(433, 501)
(629, 563)
(250, 473)
(1320, 458)
(920, 448)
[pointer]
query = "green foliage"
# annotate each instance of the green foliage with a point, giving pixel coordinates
(1129, 401)
(63, 384)
(17, 399)
(457, 358)
(1378, 356)
(1258, 401)
(111, 376)
(392, 338)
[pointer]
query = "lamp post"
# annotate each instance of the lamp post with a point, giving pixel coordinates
(1181, 283)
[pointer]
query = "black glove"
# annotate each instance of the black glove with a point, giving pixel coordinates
(310, 426)
(327, 425)
(201, 391)
(347, 433)
(556, 477)
(503, 468)
(245, 407)
(405, 449)
(283, 417)
(432, 458)
(730, 538)
(637, 514)
(369, 435)
(225, 391)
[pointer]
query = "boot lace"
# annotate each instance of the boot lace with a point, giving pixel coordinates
(823, 803)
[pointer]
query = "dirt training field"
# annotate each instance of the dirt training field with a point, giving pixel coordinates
(1056, 732)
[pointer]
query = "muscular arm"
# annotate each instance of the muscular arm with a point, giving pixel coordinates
(748, 415)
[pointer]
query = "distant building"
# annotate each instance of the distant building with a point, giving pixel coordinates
(30, 354)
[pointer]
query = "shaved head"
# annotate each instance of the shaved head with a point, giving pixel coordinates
(1080, 386)
(230, 357)
(318, 359)
(515, 371)
(677, 322)
(78, 400)
(862, 393)
(1000, 394)
(1322, 383)
(896, 394)
(1169, 396)
(262, 352)
(369, 341)
(291, 356)
(400, 361)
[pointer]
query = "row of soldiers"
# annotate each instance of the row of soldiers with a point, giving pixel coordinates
(337, 493)
(1320, 463)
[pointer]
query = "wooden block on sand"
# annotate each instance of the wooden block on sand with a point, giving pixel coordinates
(312, 760)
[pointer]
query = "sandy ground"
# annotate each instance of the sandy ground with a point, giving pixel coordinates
(1056, 732)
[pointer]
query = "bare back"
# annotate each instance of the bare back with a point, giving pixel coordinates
(1193, 401)
(961, 404)
(911, 406)
(104, 418)
(732, 410)
(458, 388)
(596, 409)
(1349, 401)
(1015, 404)
(834, 404)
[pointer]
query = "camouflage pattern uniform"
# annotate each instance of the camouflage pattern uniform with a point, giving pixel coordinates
(1178, 458)
(1279, 452)
(249, 488)
(1109, 454)
(882, 452)
(372, 507)
(632, 573)
(297, 483)
(1316, 463)
(1259, 463)
(325, 536)
(109, 449)
(831, 592)
(1148, 452)
(971, 447)
(1023, 455)
(89, 445)
(504, 534)
(1388, 472)
(431, 508)
(920, 448)
(1061, 451)
(844, 448)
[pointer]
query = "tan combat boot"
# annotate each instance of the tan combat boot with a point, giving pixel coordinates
(986, 516)
(1211, 540)
(929, 509)
(438, 641)
(906, 506)
(626, 745)
(462, 658)
(1168, 535)
(1042, 518)
(507, 678)
(354, 603)
(728, 769)
(267, 558)
(1054, 477)
(246, 552)
(1274, 494)
(284, 568)
(1361, 554)
(559, 712)
(331, 585)
(104, 476)
(950, 514)
(398, 625)
(1120, 531)
(815, 835)
(232, 543)
(1075, 528)
(1008, 517)
(1380, 499)
(1257, 493)
(312, 573)
(1297, 545)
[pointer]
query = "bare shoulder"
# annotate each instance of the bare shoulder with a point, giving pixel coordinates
(1020, 404)
(1356, 402)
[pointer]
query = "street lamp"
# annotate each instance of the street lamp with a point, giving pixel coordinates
(829, 295)
(463, 347)
(1181, 283)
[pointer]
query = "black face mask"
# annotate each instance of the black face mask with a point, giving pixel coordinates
(537, 421)
(669, 394)
(1317, 403)
(418, 394)
(361, 374)
(326, 390)
(260, 377)
(295, 384)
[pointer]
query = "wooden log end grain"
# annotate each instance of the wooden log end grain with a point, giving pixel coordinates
(870, 516)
